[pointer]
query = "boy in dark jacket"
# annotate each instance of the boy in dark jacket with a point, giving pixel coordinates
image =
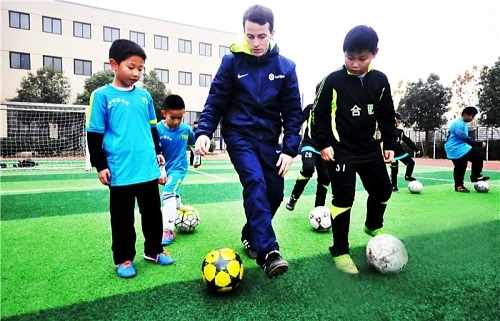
(401, 155)
(351, 101)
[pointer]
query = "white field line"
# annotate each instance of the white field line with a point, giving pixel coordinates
(211, 175)
(76, 188)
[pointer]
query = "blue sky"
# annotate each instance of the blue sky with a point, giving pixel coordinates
(417, 38)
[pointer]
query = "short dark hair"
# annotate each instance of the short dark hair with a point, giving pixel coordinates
(361, 38)
(122, 49)
(173, 102)
(472, 111)
(398, 116)
(259, 14)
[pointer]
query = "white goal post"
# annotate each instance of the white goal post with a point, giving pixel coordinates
(42, 136)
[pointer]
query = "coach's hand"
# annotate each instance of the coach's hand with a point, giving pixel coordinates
(202, 145)
(285, 162)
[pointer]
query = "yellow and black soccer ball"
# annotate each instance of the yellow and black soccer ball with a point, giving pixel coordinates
(222, 270)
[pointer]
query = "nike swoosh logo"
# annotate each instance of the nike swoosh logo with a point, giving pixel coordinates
(170, 221)
(241, 76)
(278, 151)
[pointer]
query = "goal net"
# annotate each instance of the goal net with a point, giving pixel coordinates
(42, 136)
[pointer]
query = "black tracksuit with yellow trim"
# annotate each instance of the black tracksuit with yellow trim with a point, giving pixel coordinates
(345, 116)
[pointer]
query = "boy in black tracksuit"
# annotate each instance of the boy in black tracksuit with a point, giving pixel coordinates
(350, 103)
(401, 155)
(311, 158)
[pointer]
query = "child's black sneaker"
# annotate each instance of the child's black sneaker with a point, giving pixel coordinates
(480, 178)
(291, 203)
(395, 190)
(461, 189)
(410, 179)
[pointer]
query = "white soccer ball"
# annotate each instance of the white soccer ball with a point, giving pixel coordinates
(415, 187)
(320, 218)
(386, 253)
(187, 219)
(482, 187)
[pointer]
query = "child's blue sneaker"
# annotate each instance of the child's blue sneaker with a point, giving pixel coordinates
(168, 237)
(162, 258)
(126, 269)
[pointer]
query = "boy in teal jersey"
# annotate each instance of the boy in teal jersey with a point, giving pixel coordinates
(175, 138)
(124, 148)
(459, 149)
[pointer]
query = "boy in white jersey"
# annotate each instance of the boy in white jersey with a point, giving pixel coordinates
(175, 138)
(124, 148)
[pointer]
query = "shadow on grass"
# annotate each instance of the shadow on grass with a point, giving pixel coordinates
(451, 275)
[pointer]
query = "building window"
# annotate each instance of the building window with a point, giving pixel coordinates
(51, 25)
(205, 80)
(19, 20)
(185, 78)
(81, 30)
(19, 60)
(223, 50)
(185, 46)
(111, 34)
(161, 42)
(205, 49)
(162, 75)
(107, 66)
(55, 62)
(138, 38)
(83, 67)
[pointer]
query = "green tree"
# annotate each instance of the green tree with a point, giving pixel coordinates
(46, 86)
(93, 82)
(489, 96)
(157, 89)
(424, 105)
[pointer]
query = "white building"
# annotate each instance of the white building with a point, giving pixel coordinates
(76, 38)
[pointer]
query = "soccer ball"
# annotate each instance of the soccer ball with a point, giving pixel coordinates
(482, 187)
(222, 270)
(386, 253)
(320, 218)
(187, 219)
(415, 187)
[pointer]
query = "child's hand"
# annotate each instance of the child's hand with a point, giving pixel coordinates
(160, 159)
(388, 156)
(104, 176)
(162, 180)
(417, 153)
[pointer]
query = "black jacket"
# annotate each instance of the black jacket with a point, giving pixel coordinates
(346, 112)
(400, 139)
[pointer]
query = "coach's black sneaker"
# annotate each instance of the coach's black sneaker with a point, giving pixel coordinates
(251, 253)
(461, 189)
(410, 179)
(291, 203)
(274, 265)
(480, 178)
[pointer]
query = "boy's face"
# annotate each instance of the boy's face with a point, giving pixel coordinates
(258, 37)
(398, 122)
(468, 118)
(357, 63)
(173, 118)
(128, 72)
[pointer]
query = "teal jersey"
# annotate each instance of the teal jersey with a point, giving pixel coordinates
(125, 118)
(174, 144)
(456, 145)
